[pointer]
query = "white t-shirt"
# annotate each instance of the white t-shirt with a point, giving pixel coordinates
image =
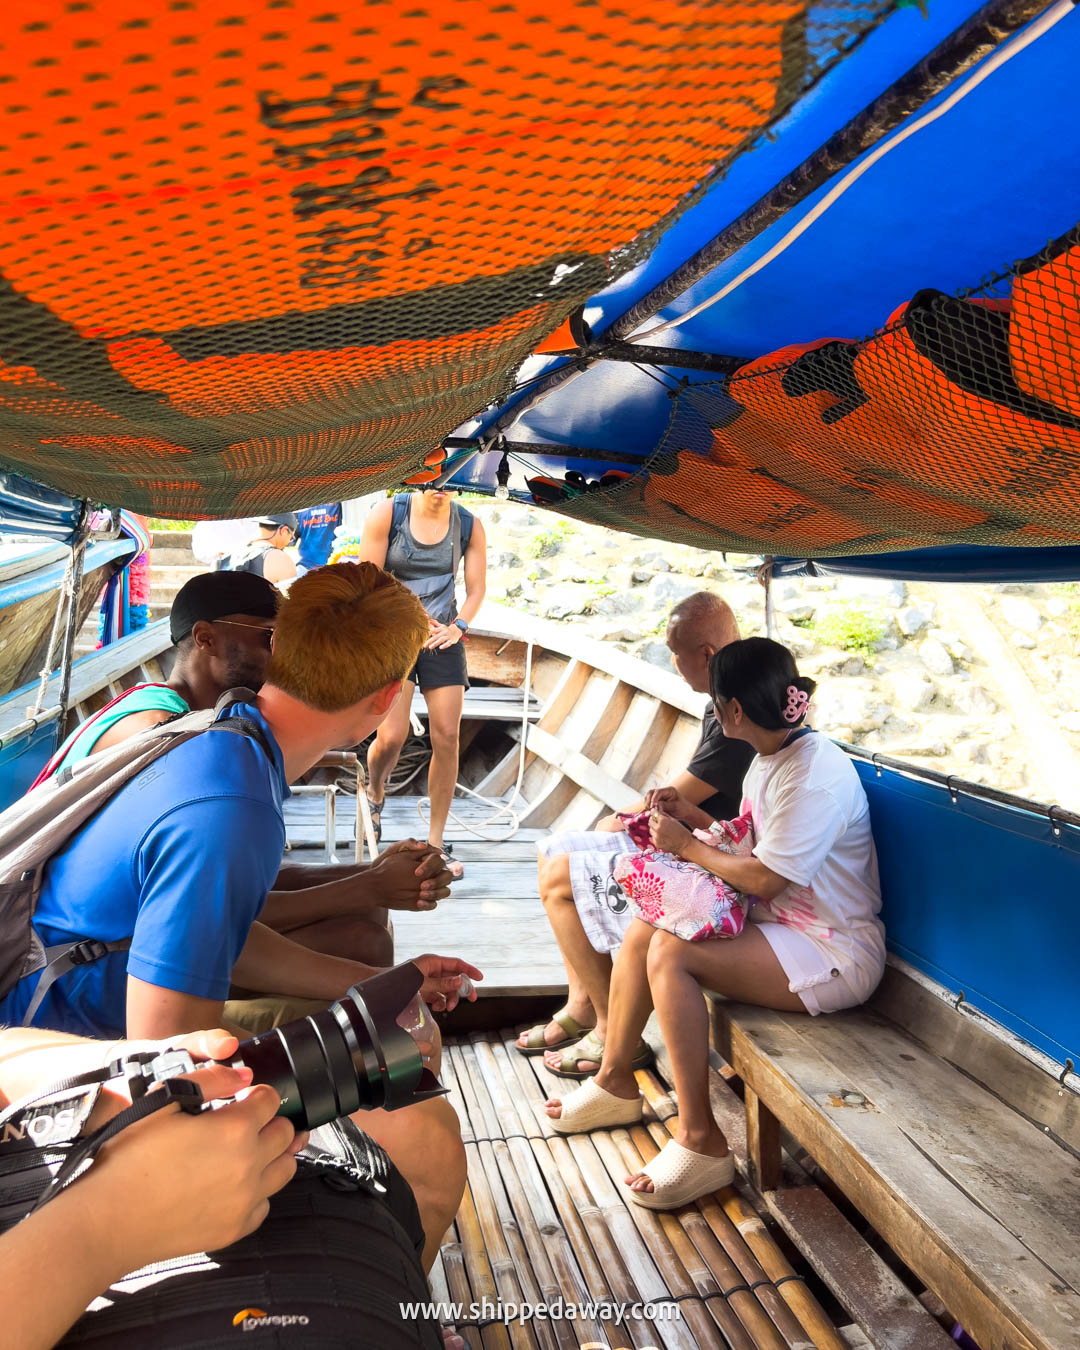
(812, 825)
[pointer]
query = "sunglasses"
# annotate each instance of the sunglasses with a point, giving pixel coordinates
(266, 631)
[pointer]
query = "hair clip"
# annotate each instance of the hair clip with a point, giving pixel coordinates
(797, 699)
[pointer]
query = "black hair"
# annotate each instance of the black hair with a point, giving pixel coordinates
(761, 673)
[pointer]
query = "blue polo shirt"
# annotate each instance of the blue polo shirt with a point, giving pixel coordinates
(317, 526)
(181, 859)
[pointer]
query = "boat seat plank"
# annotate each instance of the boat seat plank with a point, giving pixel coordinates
(493, 703)
(548, 1214)
(977, 1200)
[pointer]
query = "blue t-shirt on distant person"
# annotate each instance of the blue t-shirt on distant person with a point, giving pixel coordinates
(317, 526)
(181, 859)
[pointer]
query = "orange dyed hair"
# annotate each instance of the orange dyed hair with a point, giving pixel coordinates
(344, 632)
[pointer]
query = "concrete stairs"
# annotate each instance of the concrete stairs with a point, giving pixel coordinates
(171, 564)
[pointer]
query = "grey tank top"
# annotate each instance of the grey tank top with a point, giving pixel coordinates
(427, 569)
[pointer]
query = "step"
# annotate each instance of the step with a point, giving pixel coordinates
(165, 555)
(174, 576)
(172, 539)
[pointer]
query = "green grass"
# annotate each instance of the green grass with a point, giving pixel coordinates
(555, 534)
(852, 629)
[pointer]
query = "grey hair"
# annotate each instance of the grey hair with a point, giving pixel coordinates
(709, 617)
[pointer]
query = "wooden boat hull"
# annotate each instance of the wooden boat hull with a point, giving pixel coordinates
(28, 600)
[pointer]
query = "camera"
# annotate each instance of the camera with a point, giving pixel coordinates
(364, 1052)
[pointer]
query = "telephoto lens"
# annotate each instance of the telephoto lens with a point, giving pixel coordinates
(363, 1053)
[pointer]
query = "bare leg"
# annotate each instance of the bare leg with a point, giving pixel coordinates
(444, 722)
(589, 970)
(364, 939)
(744, 968)
(386, 747)
(578, 1004)
(628, 1012)
(424, 1142)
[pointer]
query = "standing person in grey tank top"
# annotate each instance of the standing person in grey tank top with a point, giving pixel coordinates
(421, 538)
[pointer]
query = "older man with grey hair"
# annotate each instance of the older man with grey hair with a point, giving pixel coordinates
(585, 906)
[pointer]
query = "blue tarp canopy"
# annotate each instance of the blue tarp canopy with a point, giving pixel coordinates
(941, 203)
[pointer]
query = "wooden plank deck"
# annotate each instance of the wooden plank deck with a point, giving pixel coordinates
(493, 916)
(545, 1218)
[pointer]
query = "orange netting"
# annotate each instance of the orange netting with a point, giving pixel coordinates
(958, 423)
(257, 254)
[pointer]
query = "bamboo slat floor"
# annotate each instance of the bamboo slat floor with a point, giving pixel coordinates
(545, 1218)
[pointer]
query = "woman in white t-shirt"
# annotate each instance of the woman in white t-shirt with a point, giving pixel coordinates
(812, 942)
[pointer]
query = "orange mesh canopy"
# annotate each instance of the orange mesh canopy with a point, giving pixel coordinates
(257, 254)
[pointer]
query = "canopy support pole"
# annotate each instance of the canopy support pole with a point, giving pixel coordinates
(79, 542)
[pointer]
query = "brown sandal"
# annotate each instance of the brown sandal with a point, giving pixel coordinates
(535, 1043)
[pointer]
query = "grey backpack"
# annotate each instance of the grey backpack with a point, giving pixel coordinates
(38, 826)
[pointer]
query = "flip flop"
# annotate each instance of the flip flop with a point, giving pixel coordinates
(591, 1107)
(679, 1175)
(535, 1043)
(591, 1047)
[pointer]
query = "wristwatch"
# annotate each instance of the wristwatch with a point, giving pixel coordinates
(462, 625)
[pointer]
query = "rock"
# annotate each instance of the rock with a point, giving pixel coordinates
(912, 691)
(667, 590)
(506, 560)
(978, 752)
(715, 570)
(961, 651)
(614, 541)
(882, 590)
(889, 643)
(1057, 607)
(513, 591)
(935, 657)
(847, 706)
(657, 654)
(620, 633)
(656, 562)
(1071, 721)
(819, 584)
(801, 645)
(914, 618)
(639, 575)
(621, 602)
(581, 573)
(973, 699)
(1024, 641)
(563, 601)
(1020, 614)
(802, 613)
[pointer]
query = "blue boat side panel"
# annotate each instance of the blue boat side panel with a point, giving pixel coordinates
(23, 760)
(50, 578)
(960, 563)
(982, 898)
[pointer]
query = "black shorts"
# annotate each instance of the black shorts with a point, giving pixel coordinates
(437, 670)
(335, 1260)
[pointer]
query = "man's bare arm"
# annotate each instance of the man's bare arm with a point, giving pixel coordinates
(693, 789)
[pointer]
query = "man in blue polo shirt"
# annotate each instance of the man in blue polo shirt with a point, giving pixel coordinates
(182, 858)
(316, 535)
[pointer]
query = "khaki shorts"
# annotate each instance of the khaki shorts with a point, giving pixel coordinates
(256, 1015)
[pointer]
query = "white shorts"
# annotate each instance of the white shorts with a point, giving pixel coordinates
(602, 906)
(816, 976)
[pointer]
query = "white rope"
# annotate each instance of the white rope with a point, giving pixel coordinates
(993, 63)
(65, 597)
(498, 808)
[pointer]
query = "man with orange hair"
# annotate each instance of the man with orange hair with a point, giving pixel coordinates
(182, 858)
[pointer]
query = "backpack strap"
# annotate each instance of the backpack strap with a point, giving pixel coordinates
(65, 956)
(400, 504)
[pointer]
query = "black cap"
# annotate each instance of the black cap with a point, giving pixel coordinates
(215, 594)
(282, 518)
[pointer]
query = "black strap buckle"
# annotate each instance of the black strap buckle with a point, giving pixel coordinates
(87, 951)
(184, 1092)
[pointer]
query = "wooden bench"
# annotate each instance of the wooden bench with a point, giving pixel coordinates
(493, 703)
(951, 1139)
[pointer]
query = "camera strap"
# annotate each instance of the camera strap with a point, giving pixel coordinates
(80, 1155)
